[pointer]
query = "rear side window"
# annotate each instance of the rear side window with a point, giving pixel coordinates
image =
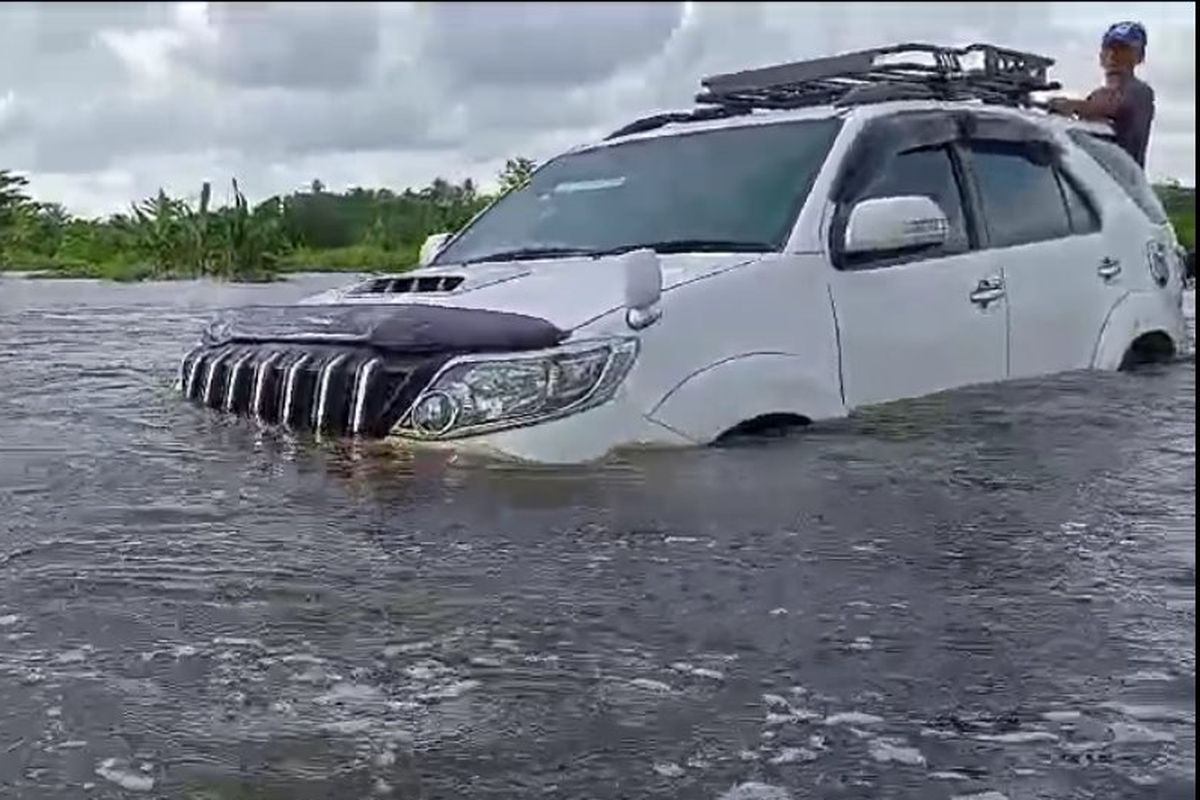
(928, 172)
(1124, 170)
(1084, 218)
(1021, 198)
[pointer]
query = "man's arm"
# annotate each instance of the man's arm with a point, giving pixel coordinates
(1101, 104)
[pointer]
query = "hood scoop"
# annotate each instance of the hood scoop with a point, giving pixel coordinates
(409, 284)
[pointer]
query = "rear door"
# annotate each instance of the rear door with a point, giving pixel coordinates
(1044, 234)
(915, 323)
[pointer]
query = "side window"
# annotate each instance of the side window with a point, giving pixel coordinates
(1021, 200)
(1084, 218)
(928, 172)
(1124, 170)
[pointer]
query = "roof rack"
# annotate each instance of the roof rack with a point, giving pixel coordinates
(1006, 77)
(882, 74)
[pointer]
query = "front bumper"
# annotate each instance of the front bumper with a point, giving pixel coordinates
(354, 391)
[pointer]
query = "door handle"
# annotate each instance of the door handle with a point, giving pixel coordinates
(988, 291)
(1109, 268)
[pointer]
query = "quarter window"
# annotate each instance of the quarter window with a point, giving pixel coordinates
(1021, 199)
(1124, 170)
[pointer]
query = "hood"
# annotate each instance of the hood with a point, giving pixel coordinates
(567, 292)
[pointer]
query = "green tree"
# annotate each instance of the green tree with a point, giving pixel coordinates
(13, 201)
(516, 173)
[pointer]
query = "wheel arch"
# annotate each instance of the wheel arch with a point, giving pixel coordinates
(742, 390)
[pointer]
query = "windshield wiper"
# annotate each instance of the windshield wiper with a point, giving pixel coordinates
(694, 246)
(529, 253)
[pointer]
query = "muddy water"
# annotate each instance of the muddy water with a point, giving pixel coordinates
(987, 591)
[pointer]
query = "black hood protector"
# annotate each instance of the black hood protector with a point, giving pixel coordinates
(396, 328)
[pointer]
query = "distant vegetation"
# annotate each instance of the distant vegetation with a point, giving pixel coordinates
(171, 237)
(1180, 202)
(358, 230)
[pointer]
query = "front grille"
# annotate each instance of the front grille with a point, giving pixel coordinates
(328, 389)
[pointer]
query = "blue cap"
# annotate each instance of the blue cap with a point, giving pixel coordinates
(1128, 33)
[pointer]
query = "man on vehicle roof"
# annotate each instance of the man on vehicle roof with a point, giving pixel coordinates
(1124, 101)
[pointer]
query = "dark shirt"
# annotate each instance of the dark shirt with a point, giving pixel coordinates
(1135, 112)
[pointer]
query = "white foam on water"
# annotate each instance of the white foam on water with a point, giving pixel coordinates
(852, 718)
(1062, 716)
(753, 790)
(989, 795)
(348, 727)
(1018, 737)
(76, 656)
(651, 685)
(793, 755)
(1129, 733)
(895, 751)
(712, 674)
(350, 693)
(669, 770)
(1150, 713)
(9, 620)
(778, 612)
(862, 643)
(111, 770)
(949, 775)
(484, 661)
(449, 691)
(238, 641)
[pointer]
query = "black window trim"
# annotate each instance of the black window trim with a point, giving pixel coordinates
(1067, 182)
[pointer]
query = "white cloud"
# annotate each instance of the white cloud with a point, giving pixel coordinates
(103, 103)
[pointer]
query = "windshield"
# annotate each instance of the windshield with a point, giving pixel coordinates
(733, 189)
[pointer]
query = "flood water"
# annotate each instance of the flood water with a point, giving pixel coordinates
(987, 594)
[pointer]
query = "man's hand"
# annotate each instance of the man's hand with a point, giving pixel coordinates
(1064, 105)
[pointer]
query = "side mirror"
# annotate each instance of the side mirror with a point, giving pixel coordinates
(643, 288)
(429, 250)
(895, 224)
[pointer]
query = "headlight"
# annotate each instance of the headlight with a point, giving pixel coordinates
(478, 394)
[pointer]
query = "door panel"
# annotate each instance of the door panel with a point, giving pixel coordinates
(914, 329)
(1060, 293)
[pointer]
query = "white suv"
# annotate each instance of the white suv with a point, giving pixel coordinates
(814, 238)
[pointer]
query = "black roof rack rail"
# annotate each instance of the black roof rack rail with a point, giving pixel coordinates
(1006, 77)
(881, 74)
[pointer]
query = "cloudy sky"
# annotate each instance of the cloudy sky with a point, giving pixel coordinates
(101, 103)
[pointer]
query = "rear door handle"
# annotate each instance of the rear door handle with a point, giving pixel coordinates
(1109, 268)
(988, 291)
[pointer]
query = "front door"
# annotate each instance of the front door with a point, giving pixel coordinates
(927, 322)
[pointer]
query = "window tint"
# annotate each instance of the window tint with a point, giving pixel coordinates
(928, 172)
(1083, 216)
(1021, 199)
(1124, 170)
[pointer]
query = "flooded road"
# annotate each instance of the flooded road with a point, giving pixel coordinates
(985, 594)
